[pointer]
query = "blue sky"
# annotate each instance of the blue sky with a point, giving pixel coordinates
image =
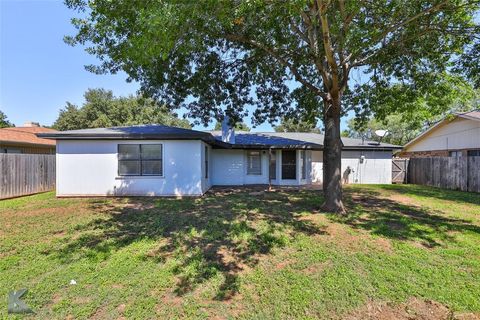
(38, 71)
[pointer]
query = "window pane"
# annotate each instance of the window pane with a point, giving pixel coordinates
(273, 165)
(128, 151)
(289, 167)
(152, 167)
(254, 163)
(151, 151)
(128, 168)
(303, 158)
(473, 153)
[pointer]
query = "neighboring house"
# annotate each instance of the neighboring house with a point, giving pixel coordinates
(24, 140)
(155, 160)
(454, 136)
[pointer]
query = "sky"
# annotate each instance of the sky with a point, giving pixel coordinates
(39, 73)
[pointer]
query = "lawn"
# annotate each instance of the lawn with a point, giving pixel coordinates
(402, 251)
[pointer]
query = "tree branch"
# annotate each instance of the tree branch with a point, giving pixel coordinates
(274, 53)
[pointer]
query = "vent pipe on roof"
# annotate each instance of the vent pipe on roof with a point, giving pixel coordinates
(228, 133)
(31, 124)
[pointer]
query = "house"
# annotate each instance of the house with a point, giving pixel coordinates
(24, 139)
(156, 160)
(454, 136)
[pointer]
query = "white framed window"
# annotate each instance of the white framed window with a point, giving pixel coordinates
(140, 160)
(455, 154)
(254, 162)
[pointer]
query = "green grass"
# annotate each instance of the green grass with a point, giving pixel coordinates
(232, 255)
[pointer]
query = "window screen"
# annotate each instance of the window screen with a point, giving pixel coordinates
(273, 165)
(289, 165)
(140, 160)
(473, 153)
(254, 163)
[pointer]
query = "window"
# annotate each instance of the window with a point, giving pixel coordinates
(273, 165)
(473, 153)
(206, 162)
(455, 154)
(140, 160)
(289, 165)
(254, 163)
(303, 164)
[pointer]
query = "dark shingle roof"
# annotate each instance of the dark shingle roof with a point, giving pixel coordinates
(243, 140)
(131, 132)
(306, 140)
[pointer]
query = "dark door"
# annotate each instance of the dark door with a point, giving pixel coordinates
(289, 165)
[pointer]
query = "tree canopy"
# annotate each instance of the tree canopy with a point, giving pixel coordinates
(239, 126)
(292, 125)
(404, 127)
(103, 109)
(292, 58)
(4, 123)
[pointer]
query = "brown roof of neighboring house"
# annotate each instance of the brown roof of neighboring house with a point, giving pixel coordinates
(25, 135)
(473, 115)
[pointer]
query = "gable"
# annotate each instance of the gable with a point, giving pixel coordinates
(460, 133)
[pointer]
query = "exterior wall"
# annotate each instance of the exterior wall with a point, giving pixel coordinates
(316, 174)
(376, 167)
(4, 148)
(230, 168)
(458, 134)
(90, 168)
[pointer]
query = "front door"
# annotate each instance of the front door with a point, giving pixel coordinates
(289, 165)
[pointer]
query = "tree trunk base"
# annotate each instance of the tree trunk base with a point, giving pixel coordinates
(337, 208)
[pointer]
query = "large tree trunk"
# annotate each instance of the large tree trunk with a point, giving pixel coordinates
(332, 158)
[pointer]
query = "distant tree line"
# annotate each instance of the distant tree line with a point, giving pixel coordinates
(102, 109)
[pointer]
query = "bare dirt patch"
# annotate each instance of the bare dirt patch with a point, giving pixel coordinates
(414, 308)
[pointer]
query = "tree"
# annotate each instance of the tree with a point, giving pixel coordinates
(103, 109)
(402, 127)
(4, 123)
(291, 125)
(239, 126)
(281, 57)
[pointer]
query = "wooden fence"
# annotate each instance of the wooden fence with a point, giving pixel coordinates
(22, 174)
(457, 173)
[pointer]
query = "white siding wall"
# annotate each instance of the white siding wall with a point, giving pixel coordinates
(90, 168)
(376, 168)
(459, 134)
(229, 167)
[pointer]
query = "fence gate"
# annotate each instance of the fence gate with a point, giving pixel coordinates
(399, 170)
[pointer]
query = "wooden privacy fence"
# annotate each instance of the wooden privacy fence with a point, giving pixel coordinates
(458, 173)
(22, 174)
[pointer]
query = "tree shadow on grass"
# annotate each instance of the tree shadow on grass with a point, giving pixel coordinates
(368, 210)
(218, 233)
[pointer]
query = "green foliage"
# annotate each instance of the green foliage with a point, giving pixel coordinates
(102, 109)
(221, 56)
(404, 126)
(239, 126)
(4, 123)
(292, 125)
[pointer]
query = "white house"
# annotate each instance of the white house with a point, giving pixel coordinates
(454, 136)
(155, 160)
